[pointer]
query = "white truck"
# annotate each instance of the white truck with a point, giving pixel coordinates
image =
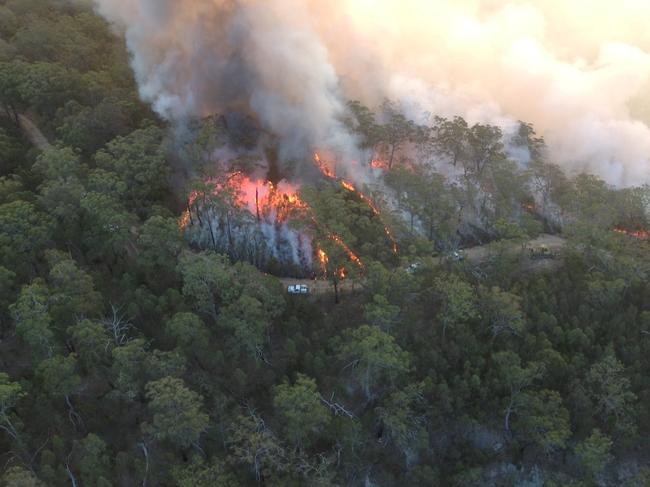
(298, 289)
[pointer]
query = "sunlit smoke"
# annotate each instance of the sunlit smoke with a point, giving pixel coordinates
(577, 70)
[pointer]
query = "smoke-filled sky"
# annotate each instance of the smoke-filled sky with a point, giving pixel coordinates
(579, 70)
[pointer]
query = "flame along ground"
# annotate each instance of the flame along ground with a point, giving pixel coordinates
(330, 173)
(350, 187)
(640, 234)
(281, 202)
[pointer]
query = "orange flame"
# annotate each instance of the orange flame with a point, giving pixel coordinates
(261, 198)
(376, 164)
(529, 207)
(640, 234)
(351, 255)
(350, 187)
(186, 217)
(264, 198)
(323, 259)
(323, 166)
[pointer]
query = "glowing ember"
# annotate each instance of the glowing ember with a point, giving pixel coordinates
(186, 217)
(348, 186)
(323, 259)
(389, 234)
(351, 255)
(325, 169)
(529, 207)
(379, 165)
(640, 234)
(323, 166)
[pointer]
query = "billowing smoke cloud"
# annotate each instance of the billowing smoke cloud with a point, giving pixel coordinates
(579, 70)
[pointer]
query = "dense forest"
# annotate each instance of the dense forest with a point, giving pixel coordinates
(137, 352)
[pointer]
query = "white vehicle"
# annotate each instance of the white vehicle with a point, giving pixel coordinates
(458, 256)
(298, 289)
(413, 267)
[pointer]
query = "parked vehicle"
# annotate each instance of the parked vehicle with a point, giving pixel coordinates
(298, 289)
(458, 255)
(541, 252)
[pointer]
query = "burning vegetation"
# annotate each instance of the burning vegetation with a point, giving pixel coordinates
(250, 220)
(639, 234)
(270, 224)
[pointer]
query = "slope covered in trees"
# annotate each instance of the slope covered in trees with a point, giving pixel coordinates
(128, 356)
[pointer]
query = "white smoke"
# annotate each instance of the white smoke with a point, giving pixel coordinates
(578, 70)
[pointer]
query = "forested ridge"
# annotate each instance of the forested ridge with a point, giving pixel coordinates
(133, 355)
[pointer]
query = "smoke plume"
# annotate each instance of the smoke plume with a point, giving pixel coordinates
(578, 70)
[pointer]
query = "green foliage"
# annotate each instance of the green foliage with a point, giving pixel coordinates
(20, 477)
(457, 301)
(380, 312)
(92, 461)
(544, 420)
(10, 394)
(254, 445)
(24, 233)
(139, 161)
(58, 375)
(176, 412)
(160, 244)
(374, 358)
(235, 298)
(7, 287)
(128, 363)
(91, 343)
(610, 391)
(72, 292)
(403, 415)
(46, 86)
(188, 331)
(502, 311)
(202, 474)
(206, 281)
(32, 318)
(130, 355)
(301, 411)
(594, 453)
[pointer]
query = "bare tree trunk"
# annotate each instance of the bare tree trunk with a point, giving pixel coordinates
(10, 429)
(73, 479)
(145, 451)
(16, 117)
(73, 415)
(335, 283)
(392, 156)
(506, 422)
(214, 242)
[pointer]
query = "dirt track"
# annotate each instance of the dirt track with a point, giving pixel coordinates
(33, 133)
(553, 242)
(475, 255)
